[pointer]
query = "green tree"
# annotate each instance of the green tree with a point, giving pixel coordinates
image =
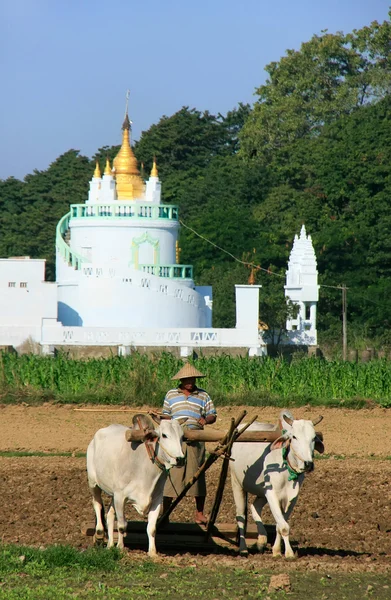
(331, 75)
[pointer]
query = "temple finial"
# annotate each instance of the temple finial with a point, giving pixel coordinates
(127, 124)
(107, 167)
(97, 170)
(154, 172)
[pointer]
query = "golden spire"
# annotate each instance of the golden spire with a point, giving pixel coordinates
(97, 170)
(107, 170)
(127, 176)
(154, 172)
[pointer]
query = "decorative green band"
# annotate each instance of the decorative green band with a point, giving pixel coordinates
(169, 271)
(124, 210)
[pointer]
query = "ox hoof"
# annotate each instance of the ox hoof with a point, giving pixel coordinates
(276, 554)
(261, 543)
(243, 553)
(99, 537)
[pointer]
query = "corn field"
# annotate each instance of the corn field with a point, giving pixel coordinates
(138, 380)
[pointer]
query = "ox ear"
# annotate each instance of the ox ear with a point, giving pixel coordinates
(281, 442)
(317, 420)
(319, 446)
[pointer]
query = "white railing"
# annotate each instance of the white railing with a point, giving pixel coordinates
(129, 210)
(170, 271)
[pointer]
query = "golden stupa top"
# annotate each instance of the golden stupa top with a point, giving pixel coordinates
(107, 170)
(125, 161)
(154, 172)
(97, 170)
(128, 181)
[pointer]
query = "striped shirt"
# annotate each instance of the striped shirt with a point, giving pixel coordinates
(197, 405)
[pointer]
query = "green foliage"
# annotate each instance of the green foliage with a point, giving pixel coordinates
(327, 78)
(30, 574)
(189, 140)
(138, 380)
(30, 210)
(33, 560)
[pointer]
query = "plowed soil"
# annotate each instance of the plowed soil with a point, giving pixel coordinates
(342, 520)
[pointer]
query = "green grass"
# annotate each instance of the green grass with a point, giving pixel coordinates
(137, 380)
(61, 573)
(27, 453)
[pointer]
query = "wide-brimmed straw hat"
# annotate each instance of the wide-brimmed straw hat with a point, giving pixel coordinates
(188, 371)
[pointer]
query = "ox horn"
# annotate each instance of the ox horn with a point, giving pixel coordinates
(318, 420)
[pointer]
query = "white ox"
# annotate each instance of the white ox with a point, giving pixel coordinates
(274, 473)
(125, 471)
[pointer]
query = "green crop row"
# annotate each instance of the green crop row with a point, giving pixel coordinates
(138, 379)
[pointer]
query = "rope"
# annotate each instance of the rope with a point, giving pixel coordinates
(292, 473)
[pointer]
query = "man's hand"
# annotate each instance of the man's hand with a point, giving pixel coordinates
(207, 420)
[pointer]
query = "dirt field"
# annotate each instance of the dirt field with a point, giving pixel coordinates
(342, 521)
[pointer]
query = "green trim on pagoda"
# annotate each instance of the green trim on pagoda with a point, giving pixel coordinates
(72, 258)
(145, 238)
(169, 271)
(124, 210)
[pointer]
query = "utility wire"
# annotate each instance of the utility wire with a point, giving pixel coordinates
(248, 264)
(243, 262)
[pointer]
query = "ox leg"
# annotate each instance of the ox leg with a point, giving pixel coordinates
(99, 509)
(151, 527)
(288, 548)
(256, 511)
(240, 498)
(282, 527)
(110, 518)
(119, 505)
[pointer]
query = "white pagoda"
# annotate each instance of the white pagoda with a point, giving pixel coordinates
(302, 288)
(116, 255)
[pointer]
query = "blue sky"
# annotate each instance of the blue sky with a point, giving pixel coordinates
(66, 64)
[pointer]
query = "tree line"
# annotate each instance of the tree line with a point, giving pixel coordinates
(315, 148)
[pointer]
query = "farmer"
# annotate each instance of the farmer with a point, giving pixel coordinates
(188, 400)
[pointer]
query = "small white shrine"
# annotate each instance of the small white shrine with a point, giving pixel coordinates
(302, 288)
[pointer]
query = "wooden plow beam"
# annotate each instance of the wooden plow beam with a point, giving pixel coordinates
(215, 435)
(189, 537)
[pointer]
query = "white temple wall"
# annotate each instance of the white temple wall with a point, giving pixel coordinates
(25, 297)
(207, 293)
(132, 301)
(107, 241)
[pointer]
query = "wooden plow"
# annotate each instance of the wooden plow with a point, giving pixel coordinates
(175, 536)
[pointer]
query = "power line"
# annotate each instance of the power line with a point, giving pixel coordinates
(248, 264)
(269, 272)
(243, 262)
